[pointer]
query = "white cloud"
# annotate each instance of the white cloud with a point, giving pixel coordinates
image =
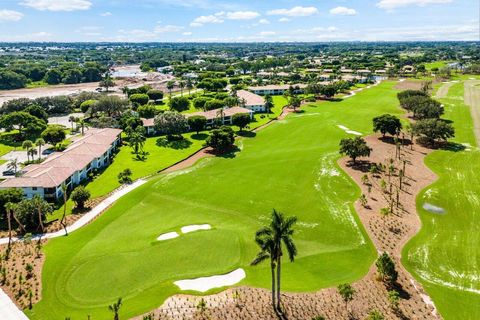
(41, 34)
(267, 33)
(263, 21)
(200, 21)
(242, 15)
(283, 20)
(10, 15)
(106, 14)
(344, 11)
(294, 12)
(392, 4)
(167, 29)
(187, 33)
(57, 5)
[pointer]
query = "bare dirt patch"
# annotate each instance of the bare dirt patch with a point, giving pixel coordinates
(387, 233)
(20, 274)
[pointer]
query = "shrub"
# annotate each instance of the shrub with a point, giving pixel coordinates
(80, 195)
(139, 98)
(125, 177)
(84, 106)
(221, 139)
(179, 104)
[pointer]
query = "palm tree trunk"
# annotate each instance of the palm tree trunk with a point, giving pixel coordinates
(40, 220)
(9, 229)
(22, 228)
(39, 153)
(62, 222)
(279, 267)
(272, 265)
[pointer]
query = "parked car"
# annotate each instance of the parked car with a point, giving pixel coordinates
(8, 173)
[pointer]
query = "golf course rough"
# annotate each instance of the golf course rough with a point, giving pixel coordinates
(445, 254)
(290, 166)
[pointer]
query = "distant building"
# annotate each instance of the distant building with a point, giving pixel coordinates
(223, 116)
(275, 90)
(92, 151)
(251, 101)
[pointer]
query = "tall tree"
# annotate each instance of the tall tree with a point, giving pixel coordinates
(354, 148)
(27, 145)
(279, 232)
(39, 143)
(64, 194)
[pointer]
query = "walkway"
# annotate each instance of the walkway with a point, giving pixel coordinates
(8, 310)
(472, 99)
(89, 216)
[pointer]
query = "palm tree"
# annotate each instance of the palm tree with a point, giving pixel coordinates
(265, 241)
(9, 208)
(42, 207)
(13, 165)
(182, 85)
(189, 85)
(170, 86)
(39, 143)
(283, 231)
(62, 222)
(271, 240)
(115, 308)
(221, 114)
(27, 145)
(13, 209)
(71, 119)
(32, 152)
(81, 122)
(268, 103)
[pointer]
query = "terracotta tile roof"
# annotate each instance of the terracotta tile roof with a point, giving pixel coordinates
(251, 99)
(150, 122)
(59, 166)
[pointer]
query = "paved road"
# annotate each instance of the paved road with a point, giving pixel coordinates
(472, 99)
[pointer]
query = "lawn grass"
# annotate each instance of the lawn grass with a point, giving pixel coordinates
(445, 255)
(290, 166)
(157, 158)
(436, 64)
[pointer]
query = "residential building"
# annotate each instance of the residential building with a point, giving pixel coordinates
(92, 151)
(224, 116)
(274, 90)
(251, 101)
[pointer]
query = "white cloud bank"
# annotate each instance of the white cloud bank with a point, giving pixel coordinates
(343, 11)
(392, 4)
(10, 15)
(57, 5)
(294, 12)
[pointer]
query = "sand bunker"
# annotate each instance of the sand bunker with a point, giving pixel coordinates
(206, 283)
(433, 209)
(167, 236)
(347, 130)
(195, 227)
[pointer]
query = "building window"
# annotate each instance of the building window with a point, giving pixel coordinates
(34, 188)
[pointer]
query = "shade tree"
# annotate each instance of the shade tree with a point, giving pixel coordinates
(354, 148)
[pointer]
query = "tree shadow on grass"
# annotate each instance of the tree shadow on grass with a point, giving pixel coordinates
(247, 134)
(140, 156)
(173, 144)
(199, 136)
(227, 154)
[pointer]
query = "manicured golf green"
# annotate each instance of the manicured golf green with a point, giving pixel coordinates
(445, 255)
(290, 166)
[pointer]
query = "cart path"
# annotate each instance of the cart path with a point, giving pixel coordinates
(472, 99)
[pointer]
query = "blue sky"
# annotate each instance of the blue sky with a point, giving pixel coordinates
(238, 21)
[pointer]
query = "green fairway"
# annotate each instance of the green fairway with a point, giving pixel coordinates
(290, 166)
(445, 255)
